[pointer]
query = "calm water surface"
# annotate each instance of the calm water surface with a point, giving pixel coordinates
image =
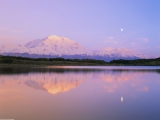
(80, 93)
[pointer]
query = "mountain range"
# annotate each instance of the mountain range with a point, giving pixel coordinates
(54, 46)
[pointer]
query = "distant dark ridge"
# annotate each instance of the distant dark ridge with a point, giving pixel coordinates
(154, 61)
(46, 61)
(63, 61)
(106, 58)
(50, 59)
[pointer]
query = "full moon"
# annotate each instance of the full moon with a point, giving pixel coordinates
(121, 29)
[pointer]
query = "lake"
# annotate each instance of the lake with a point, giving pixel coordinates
(80, 93)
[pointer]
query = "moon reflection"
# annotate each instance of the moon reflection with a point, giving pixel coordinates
(122, 99)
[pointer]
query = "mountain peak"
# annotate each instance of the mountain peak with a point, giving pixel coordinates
(54, 37)
(54, 45)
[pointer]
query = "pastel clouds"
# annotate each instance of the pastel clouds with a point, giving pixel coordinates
(10, 30)
(133, 43)
(110, 39)
(144, 39)
(145, 89)
(9, 35)
(10, 39)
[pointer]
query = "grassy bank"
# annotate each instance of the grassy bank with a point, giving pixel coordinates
(10, 60)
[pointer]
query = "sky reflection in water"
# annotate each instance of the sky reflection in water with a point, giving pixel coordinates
(86, 93)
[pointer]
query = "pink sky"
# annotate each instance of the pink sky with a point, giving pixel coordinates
(93, 24)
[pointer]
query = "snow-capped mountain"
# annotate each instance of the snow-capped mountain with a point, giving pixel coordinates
(54, 46)
(11, 48)
(118, 52)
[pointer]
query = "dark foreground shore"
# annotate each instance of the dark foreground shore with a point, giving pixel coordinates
(10, 60)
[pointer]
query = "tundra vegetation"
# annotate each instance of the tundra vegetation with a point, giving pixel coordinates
(6, 60)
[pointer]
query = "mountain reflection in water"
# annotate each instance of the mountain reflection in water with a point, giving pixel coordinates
(62, 80)
(51, 82)
(80, 93)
